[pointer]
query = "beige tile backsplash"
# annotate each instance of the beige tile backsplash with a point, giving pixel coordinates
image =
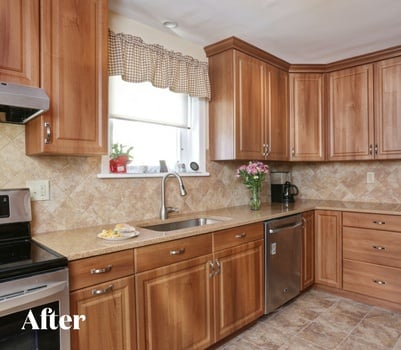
(79, 199)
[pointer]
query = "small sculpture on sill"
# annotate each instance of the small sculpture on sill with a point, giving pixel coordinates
(119, 158)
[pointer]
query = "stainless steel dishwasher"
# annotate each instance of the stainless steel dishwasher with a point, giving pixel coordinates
(283, 239)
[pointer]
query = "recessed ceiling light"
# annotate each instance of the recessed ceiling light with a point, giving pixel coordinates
(170, 24)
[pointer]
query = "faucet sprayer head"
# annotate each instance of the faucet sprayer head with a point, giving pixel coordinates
(183, 191)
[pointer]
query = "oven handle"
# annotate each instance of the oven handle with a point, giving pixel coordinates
(19, 302)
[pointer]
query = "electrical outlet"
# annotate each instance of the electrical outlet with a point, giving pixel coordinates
(39, 189)
(370, 178)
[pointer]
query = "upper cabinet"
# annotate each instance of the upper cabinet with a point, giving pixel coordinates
(307, 117)
(73, 62)
(350, 113)
(248, 111)
(387, 109)
(19, 37)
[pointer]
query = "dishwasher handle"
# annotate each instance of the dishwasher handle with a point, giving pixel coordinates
(285, 227)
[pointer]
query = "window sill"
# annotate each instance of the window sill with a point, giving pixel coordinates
(148, 175)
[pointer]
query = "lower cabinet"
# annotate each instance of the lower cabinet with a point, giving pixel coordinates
(110, 310)
(189, 296)
(102, 289)
(328, 248)
(308, 250)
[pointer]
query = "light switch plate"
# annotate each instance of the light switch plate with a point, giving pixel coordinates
(39, 189)
(370, 178)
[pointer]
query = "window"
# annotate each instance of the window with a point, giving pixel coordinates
(159, 124)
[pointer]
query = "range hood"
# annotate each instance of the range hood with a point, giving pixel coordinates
(20, 103)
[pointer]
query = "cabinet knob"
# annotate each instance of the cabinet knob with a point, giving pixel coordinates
(378, 222)
(382, 283)
(101, 270)
(177, 252)
(102, 291)
(48, 132)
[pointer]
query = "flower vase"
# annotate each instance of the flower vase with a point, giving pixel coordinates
(255, 198)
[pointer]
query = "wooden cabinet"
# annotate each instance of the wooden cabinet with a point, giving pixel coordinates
(308, 250)
(73, 62)
(387, 106)
(106, 299)
(328, 248)
(19, 38)
(248, 111)
(175, 299)
(307, 117)
(188, 295)
(372, 251)
(239, 278)
(350, 114)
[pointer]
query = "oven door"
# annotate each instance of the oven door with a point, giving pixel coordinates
(29, 312)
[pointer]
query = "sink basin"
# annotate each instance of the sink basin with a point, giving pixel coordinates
(177, 225)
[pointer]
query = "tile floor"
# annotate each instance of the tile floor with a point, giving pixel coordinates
(318, 320)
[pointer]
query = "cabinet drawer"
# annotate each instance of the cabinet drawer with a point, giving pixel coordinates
(232, 237)
(150, 257)
(372, 280)
(374, 221)
(102, 268)
(378, 247)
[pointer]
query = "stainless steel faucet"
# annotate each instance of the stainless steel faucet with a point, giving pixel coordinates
(165, 210)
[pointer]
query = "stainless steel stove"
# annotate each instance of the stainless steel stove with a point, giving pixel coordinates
(32, 279)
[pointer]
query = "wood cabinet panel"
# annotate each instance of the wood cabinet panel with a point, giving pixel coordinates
(307, 117)
(372, 221)
(387, 109)
(74, 73)
(167, 253)
(308, 250)
(373, 280)
(237, 235)
(350, 114)
(98, 269)
(328, 248)
(175, 306)
(374, 246)
(110, 311)
(239, 287)
(19, 38)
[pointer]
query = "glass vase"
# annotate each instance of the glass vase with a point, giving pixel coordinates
(255, 198)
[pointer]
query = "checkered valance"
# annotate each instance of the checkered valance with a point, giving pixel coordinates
(137, 62)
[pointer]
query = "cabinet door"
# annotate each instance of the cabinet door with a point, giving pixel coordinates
(174, 306)
(239, 287)
(74, 74)
(350, 115)
(328, 248)
(277, 128)
(388, 107)
(19, 40)
(306, 117)
(252, 82)
(308, 250)
(110, 312)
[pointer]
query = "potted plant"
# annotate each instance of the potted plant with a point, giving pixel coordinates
(119, 158)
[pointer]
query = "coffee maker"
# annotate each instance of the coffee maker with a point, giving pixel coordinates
(282, 190)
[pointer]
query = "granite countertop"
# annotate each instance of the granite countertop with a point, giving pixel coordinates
(83, 242)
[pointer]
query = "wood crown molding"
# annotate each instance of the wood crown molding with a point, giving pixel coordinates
(241, 45)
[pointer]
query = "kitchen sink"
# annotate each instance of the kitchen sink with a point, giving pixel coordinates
(177, 225)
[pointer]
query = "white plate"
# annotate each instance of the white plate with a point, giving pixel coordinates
(123, 235)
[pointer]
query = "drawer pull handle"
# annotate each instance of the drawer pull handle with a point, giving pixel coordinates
(102, 270)
(102, 291)
(382, 283)
(211, 269)
(218, 265)
(378, 247)
(379, 222)
(177, 252)
(240, 235)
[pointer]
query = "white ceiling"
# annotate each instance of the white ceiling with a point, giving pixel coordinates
(297, 31)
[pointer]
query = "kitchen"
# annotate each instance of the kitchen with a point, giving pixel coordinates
(79, 199)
